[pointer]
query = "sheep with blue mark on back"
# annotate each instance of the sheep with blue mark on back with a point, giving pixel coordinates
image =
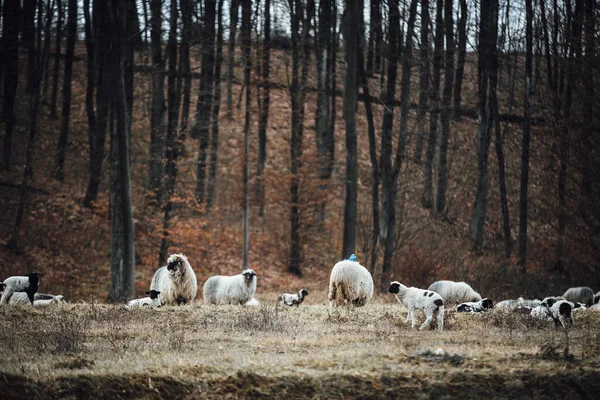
(236, 289)
(418, 299)
(176, 281)
(350, 284)
(455, 292)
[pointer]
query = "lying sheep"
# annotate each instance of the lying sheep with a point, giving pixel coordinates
(455, 292)
(561, 312)
(419, 299)
(236, 289)
(16, 284)
(39, 301)
(351, 284)
(152, 301)
(581, 294)
(176, 281)
(288, 299)
(595, 307)
(476, 307)
(518, 303)
(58, 300)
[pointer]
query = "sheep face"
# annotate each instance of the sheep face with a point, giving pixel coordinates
(394, 288)
(176, 267)
(565, 315)
(153, 294)
(304, 292)
(549, 301)
(249, 275)
(487, 303)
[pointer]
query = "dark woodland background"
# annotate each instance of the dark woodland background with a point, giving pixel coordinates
(435, 139)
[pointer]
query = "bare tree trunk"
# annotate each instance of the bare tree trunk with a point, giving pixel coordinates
(59, 167)
(10, 38)
(233, 18)
(200, 130)
(264, 109)
(588, 111)
(214, 141)
(423, 80)
(526, 136)
(460, 62)
(351, 36)
(435, 106)
(46, 50)
(442, 151)
(374, 52)
(33, 77)
(172, 148)
(56, 66)
(247, 54)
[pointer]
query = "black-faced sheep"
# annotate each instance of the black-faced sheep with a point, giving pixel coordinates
(476, 307)
(15, 284)
(581, 294)
(418, 299)
(176, 281)
(561, 312)
(152, 301)
(550, 300)
(455, 292)
(350, 284)
(236, 289)
(288, 299)
(597, 298)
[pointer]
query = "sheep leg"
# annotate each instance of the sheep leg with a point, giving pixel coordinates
(407, 317)
(440, 319)
(6, 296)
(427, 320)
(412, 316)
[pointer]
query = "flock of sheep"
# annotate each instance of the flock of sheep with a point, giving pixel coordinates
(350, 285)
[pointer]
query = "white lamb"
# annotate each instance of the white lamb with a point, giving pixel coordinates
(41, 301)
(419, 299)
(350, 284)
(152, 301)
(236, 289)
(581, 294)
(58, 300)
(518, 303)
(288, 299)
(176, 281)
(252, 303)
(561, 312)
(17, 284)
(476, 306)
(455, 292)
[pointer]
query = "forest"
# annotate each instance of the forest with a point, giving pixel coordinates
(434, 139)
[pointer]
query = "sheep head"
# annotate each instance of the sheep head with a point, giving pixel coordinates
(394, 287)
(249, 275)
(176, 265)
(487, 303)
(153, 294)
(303, 292)
(565, 315)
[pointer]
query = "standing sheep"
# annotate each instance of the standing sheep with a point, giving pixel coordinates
(350, 283)
(15, 284)
(561, 312)
(455, 292)
(419, 299)
(152, 301)
(176, 281)
(288, 299)
(581, 294)
(236, 289)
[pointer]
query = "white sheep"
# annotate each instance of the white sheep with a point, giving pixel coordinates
(595, 307)
(419, 299)
(455, 292)
(39, 301)
(350, 283)
(476, 306)
(152, 301)
(176, 281)
(288, 299)
(550, 300)
(236, 289)
(57, 300)
(518, 303)
(561, 312)
(597, 298)
(581, 294)
(16, 284)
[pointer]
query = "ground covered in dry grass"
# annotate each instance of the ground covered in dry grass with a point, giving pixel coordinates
(105, 351)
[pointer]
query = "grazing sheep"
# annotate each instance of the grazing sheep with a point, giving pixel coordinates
(236, 289)
(16, 284)
(350, 283)
(419, 299)
(176, 281)
(455, 292)
(581, 294)
(518, 303)
(288, 299)
(476, 307)
(252, 303)
(152, 301)
(561, 312)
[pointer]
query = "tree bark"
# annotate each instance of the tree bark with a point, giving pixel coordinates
(200, 130)
(56, 66)
(435, 105)
(59, 166)
(523, 200)
(233, 18)
(460, 62)
(442, 151)
(10, 38)
(423, 80)
(156, 167)
(214, 141)
(46, 50)
(264, 109)
(247, 54)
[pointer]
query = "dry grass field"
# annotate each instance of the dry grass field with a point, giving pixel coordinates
(95, 350)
